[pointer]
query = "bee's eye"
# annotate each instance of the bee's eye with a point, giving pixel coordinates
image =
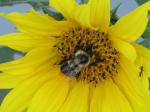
(83, 59)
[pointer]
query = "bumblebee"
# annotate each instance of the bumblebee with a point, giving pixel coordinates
(81, 59)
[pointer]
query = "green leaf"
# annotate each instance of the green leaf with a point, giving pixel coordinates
(56, 15)
(147, 31)
(84, 1)
(149, 83)
(7, 54)
(114, 16)
(140, 2)
(39, 4)
(146, 42)
(34, 3)
(3, 93)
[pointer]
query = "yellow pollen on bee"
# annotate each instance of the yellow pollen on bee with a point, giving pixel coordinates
(102, 49)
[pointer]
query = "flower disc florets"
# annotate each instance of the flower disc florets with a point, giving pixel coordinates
(104, 59)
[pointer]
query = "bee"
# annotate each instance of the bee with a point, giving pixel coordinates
(81, 59)
(141, 71)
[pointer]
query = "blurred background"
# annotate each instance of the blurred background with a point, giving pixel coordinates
(8, 6)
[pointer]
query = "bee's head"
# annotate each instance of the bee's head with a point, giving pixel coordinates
(82, 57)
(87, 48)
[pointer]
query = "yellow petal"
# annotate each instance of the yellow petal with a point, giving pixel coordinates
(81, 14)
(19, 98)
(77, 100)
(125, 48)
(95, 14)
(34, 23)
(129, 83)
(143, 60)
(51, 96)
(64, 6)
(142, 51)
(34, 61)
(145, 64)
(131, 26)
(100, 14)
(145, 81)
(107, 97)
(8, 81)
(22, 42)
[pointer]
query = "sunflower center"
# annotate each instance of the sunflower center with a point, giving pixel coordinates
(87, 55)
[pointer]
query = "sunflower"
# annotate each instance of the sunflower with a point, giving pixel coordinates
(79, 64)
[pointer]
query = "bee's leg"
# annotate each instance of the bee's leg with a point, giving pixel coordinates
(93, 64)
(62, 61)
(77, 76)
(99, 59)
